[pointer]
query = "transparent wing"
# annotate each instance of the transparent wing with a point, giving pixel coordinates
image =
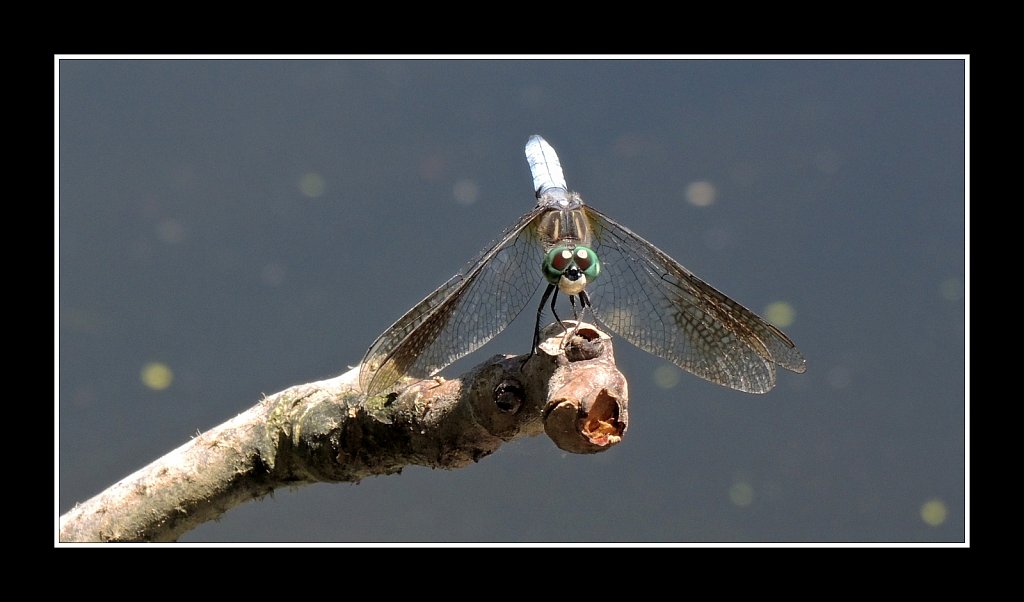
(462, 314)
(649, 299)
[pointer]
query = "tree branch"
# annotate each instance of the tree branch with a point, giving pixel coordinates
(327, 431)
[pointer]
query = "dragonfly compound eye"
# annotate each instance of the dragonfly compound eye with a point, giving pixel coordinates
(557, 261)
(586, 260)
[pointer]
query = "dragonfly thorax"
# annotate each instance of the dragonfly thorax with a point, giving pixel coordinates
(571, 267)
(559, 198)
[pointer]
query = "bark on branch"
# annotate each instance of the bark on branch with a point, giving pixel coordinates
(327, 431)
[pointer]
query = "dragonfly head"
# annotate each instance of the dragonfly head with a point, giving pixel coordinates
(571, 267)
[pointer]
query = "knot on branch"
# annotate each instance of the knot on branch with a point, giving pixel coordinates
(587, 408)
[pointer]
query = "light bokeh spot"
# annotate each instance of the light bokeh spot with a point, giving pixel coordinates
(952, 289)
(933, 512)
(312, 185)
(432, 167)
(466, 192)
(273, 274)
(701, 194)
(741, 494)
(157, 376)
(666, 376)
(531, 97)
(170, 231)
(838, 377)
(780, 314)
(827, 161)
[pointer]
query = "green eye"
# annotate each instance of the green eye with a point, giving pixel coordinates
(563, 258)
(587, 261)
(555, 262)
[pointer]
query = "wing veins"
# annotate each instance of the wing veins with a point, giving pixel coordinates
(394, 363)
(681, 289)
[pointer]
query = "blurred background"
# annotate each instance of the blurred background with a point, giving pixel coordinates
(229, 228)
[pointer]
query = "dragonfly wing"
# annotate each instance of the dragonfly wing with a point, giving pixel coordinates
(655, 303)
(462, 314)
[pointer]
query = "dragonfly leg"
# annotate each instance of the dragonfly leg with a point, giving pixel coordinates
(540, 311)
(584, 304)
(567, 334)
(554, 312)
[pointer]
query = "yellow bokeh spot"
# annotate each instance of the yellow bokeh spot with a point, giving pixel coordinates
(741, 494)
(157, 376)
(273, 274)
(933, 512)
(780, 314)
(170, 231)
(466, 192)
(952, 289)
(701, 194)
(312, 185)
(666, 376)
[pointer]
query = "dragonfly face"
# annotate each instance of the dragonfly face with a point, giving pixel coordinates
(643, 295)
(571, 268)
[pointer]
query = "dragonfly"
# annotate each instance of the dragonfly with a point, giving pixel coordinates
(632, 287)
